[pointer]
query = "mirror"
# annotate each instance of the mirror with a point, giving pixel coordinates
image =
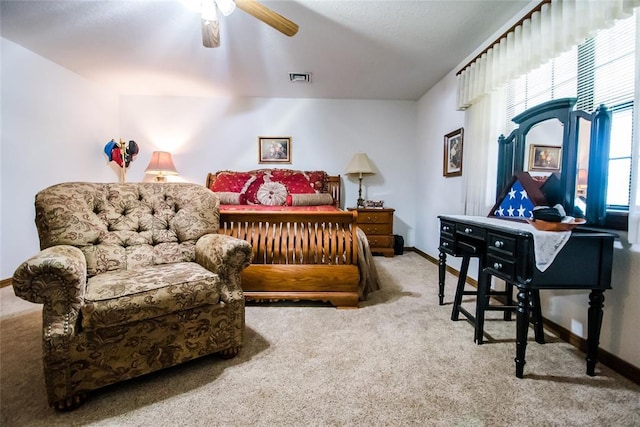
(543, 148)
(583, 131)
(553, 138)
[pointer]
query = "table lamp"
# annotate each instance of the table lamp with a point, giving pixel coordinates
(161, 165)
(360, 165)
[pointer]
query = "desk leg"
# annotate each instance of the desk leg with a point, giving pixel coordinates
(482, 301)
(442, 270)
(536, 315)
(462, 280)
(522, 327)
(596, 302)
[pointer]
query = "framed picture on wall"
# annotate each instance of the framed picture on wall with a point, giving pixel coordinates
(274, 149)
(452, 162)
(545, 158)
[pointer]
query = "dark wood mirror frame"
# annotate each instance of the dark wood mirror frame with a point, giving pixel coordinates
(511, 154)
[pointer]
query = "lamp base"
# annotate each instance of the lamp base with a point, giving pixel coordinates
(360, 199)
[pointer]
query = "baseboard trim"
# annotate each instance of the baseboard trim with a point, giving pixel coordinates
(627, 370)
(5, 282)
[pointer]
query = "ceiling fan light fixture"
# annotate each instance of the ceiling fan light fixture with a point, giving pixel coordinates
(208, 11)
(226, 6)
(300, 77)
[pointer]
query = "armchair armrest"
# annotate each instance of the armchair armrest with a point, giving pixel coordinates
(225, 255)
(55, 277)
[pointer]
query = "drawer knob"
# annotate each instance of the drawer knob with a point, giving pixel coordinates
(497, 266)
(445, 244)
(468, 230)
(499, 244)
(445, 228)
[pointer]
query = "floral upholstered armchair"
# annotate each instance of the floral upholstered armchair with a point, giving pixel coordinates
(134, 278)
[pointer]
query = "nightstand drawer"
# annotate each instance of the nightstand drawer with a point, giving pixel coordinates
(373, 217)
(377, 224)
(376, 228)
(380, 241)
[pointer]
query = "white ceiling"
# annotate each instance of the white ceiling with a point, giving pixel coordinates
(354, 49)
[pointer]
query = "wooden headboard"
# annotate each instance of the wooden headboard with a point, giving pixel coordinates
(334, 187)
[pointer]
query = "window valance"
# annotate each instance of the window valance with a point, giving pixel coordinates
(553, 27)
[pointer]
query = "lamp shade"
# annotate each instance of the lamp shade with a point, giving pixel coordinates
(360, 165)
(161, 164)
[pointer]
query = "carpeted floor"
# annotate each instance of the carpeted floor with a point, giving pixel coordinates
(397, 361)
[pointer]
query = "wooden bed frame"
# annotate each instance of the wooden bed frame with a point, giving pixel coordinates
(299, 255)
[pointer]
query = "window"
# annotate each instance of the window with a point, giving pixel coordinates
(599, 71)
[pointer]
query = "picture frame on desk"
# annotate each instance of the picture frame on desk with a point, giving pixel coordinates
(452, 159)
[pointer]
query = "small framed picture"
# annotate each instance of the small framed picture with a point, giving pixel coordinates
(545, 158)
(452, 163)
(274, 149)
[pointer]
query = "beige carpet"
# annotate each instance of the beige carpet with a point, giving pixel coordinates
(397, 361)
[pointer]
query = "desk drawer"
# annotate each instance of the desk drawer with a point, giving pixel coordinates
(471, 231)
(501, 243)
(505, 269)
(447, 228)
(447, 245)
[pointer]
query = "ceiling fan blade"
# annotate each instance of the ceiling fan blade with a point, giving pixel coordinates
(268, 16)
(210, 32)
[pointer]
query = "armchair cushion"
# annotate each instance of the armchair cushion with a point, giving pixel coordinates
(120, 297)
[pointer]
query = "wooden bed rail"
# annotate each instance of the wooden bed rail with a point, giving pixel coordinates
(305, 238)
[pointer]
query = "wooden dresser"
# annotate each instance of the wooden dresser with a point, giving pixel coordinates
(377, 224)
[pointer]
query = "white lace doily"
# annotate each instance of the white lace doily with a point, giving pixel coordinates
(546, 244)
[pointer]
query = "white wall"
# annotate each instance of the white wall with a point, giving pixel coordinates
(437, 116)
(211, 134)
(54, 126)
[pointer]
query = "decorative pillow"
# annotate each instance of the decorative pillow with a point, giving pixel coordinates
(318, 180)
(296, 183)
(230, 198)
(317, 199)
(251, 192)
(272, 194)
(233, 182)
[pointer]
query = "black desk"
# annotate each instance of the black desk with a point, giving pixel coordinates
(505, 249)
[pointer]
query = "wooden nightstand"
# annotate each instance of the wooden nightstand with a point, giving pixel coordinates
(377, 224)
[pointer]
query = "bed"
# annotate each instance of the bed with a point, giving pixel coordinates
(305, 248)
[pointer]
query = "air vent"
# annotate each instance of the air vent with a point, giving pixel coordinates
(300, 77)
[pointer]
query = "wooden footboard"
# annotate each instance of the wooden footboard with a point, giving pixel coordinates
(298, 256)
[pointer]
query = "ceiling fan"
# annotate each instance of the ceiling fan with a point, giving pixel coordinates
(211, 25)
